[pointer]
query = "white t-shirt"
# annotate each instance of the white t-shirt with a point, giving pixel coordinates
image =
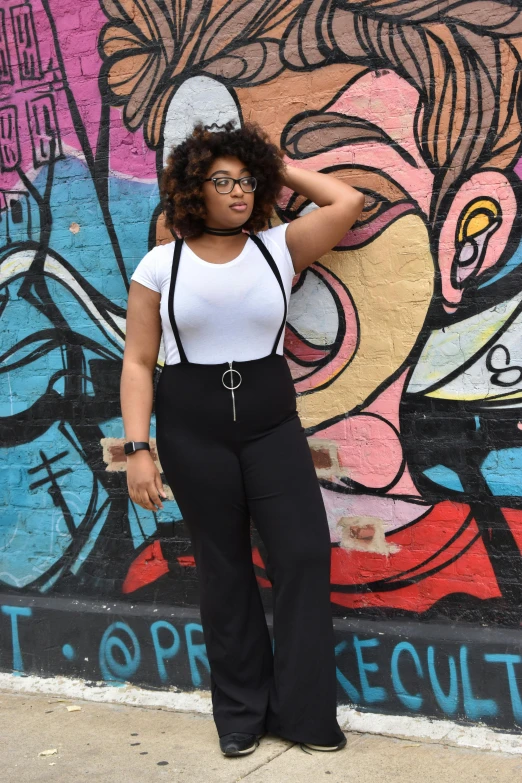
(223, 312)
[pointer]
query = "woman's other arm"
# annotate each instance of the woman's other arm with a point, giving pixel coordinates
(142, 342)
(339, 205)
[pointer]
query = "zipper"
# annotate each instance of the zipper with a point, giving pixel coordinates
(232, 386)
(232, 390)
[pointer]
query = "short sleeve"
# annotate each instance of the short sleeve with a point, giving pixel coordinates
(277, 234)
(145, 272)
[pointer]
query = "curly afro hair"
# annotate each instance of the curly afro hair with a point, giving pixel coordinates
(187, 165)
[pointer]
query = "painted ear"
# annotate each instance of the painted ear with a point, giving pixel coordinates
(475, 233)
(477, 223)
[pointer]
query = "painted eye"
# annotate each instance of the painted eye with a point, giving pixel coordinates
(385, 202)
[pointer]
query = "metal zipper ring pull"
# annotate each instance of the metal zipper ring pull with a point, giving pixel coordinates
(231, 387)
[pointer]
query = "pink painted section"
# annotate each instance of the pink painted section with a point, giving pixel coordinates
(128, 152)
(405, 486)
(371, 453)
(345, 351)
(390, 103)
(78, 31)
(387, 403)
(368, 448)
(394, 514)
(387, 406)
(22, 92)
(360, 234)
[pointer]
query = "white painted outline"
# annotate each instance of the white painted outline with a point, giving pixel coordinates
(440, 732)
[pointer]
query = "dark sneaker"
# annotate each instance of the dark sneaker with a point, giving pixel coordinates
(238, 744)
(339, 746)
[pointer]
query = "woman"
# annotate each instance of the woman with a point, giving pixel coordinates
(229, 438)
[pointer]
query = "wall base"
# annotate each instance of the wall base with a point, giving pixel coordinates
(459, 672)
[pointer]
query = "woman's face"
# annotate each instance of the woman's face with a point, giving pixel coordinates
(220, 213)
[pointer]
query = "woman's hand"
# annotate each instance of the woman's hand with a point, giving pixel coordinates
(144, 480)
(287, 170)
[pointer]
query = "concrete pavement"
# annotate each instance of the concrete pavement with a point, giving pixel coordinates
(114, 743)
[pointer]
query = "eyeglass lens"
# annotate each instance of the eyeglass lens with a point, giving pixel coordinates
(226, 184)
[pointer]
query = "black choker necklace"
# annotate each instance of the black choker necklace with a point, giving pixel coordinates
(225, 232)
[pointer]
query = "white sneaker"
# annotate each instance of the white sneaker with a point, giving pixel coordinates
(339, 746)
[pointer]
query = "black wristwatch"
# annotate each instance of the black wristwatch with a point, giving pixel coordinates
(134, 445)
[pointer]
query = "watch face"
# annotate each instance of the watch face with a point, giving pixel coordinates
(128, 448)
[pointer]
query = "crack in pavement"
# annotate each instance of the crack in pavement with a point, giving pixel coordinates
(265, 763)
(357, 739)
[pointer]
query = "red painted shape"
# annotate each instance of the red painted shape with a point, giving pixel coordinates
(256, 557)
(146, 568)
(258, 561)
(150, 565)
(436, 556)
(187, 561)
(513, 517)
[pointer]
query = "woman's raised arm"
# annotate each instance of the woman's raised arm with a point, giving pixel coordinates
(339, 205)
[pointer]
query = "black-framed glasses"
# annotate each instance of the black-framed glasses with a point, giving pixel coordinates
(227, 184)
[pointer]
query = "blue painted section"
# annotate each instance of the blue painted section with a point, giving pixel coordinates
(510, 661)
(196, 652)
(132, 206)
(52, 580)
(87, 548)
(14, 612)
(164, 653)
(410, 700)
(502, 470)
(513, 263)
(475, 708)
(444, 476)
(35, 520)
(122, 665)
(350, 690)
(448, 702)
(371, 694)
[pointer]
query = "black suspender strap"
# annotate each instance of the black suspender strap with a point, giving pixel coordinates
(273, 266)
(175, 266)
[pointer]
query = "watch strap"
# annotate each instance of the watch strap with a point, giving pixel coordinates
(135, 445)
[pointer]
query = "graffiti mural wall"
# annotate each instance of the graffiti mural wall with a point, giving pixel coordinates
(405, 341)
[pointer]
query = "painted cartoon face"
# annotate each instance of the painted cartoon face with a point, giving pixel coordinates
(371, 293)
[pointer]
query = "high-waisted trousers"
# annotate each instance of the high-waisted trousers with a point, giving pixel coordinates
(223, 473)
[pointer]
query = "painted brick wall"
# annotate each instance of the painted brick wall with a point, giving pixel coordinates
(404, 341)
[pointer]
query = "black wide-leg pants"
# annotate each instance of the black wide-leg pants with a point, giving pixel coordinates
(222, 473)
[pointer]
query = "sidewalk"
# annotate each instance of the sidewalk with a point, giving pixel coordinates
(114, 743)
